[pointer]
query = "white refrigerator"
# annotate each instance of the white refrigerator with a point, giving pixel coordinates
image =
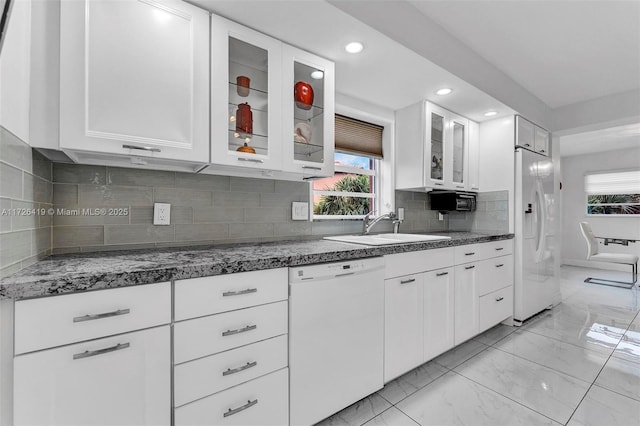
(536, 287)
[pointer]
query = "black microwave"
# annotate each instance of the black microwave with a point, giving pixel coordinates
(458, 201)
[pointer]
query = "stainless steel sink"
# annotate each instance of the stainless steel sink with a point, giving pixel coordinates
(385, 239)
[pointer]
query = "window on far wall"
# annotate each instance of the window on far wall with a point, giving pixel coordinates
(613, 194)
(352, 191)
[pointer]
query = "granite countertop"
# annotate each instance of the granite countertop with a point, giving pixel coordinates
(64, 274)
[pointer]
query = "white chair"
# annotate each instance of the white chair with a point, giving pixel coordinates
(621, 258)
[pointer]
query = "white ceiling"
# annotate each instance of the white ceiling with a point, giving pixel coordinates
(554, 53)
(561, 51)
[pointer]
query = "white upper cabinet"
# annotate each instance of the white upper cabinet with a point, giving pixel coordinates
(531, 136)
(308, 113)
(246, 97)
(134, 81)
(473, 179)
(432, 148)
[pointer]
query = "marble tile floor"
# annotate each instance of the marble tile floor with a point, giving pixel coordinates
(577, 364)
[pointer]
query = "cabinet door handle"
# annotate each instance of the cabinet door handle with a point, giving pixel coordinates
(459, 186)
(439, 274)
(499, 265)
(142, 148)
(470, 267)
(239, 369)
(87, 354)
(100, 316)
(410, 280)
(498, 299)
(438, 183)
(233, 411)
(240, 292)
(470, 254)
(239, 330)
(499, 248)
(526, 144)
(251, 160)
(312, 167)
(542, 150)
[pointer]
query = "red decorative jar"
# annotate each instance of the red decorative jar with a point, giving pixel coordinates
(243, 84)
(303, 95)
(244, 120)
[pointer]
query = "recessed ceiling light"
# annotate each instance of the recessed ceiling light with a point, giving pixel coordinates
(444, 91)
(317, 75)
(490, 113)
(354, 47)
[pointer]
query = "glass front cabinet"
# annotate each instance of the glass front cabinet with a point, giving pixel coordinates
(446, 149)
(246, 97)
(272, 105)
(308, 113)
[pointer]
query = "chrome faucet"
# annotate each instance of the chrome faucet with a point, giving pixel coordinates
(368, 223)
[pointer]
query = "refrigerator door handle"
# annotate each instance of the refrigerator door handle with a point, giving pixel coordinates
(542, 219)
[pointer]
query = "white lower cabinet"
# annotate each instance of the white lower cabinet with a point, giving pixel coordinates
(120, 380)
(438, 312)
(466, 301)
(495, 307)
(263, 401)
(403, 324)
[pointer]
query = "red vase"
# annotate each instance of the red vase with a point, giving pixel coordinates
(303, 95)
(244, 120)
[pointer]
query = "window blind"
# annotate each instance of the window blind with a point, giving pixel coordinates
(613, 183)
(358, 137)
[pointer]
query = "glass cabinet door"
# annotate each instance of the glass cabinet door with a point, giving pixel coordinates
(459, 145)
(308, 114)
(437, 140)
(246, 96)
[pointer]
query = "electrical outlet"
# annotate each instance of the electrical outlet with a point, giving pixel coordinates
(161, 214)
(299, 211)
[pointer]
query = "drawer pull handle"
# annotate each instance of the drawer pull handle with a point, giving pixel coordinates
(239, 369)
(239, 330)
(470, 254)
(499, 265)
(499, 248)
(441, 274)
(438, 183)
(240, 292)
(233, 411)
(498, 299)
(312, 167)
(470, 267)
(459, 186)
(87, 354)
(142, 148)
(407, 281)
(251, 160)
(100, 316)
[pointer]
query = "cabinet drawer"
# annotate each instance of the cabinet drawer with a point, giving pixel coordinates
(495, 273)
(495, 307)
(198, 297)
(473, 252)
(216, 333)
(59, 320)
(206, 376)
(263, 401)
(118, 380)
(400, 264)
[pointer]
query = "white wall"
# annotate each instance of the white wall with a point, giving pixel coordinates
(574, 249)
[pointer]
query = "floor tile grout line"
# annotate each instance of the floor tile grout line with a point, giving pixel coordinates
(616, 392)
(569, 343)
(545, 366)
(505, 396)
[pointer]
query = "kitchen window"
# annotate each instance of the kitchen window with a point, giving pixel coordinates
(613, 194)
(353, 190)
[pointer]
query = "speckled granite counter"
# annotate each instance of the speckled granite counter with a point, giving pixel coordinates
(92, 271)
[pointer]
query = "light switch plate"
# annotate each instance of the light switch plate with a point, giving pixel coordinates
(161, 214)
(299, 211)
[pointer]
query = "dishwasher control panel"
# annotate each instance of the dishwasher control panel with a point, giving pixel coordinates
(333, 269)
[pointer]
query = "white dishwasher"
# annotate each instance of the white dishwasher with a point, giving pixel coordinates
(336, 326)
